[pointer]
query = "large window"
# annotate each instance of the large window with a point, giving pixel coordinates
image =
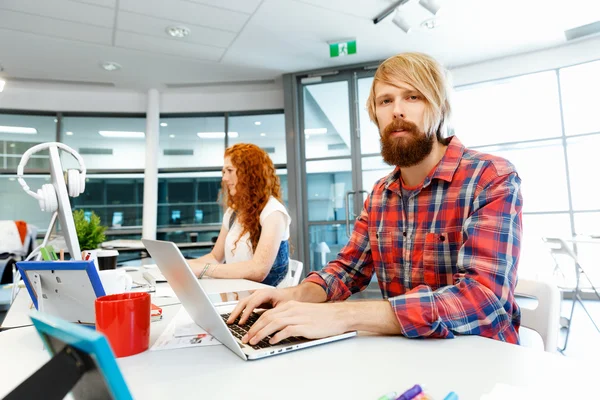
(522, 119)
(264, 130)
(508, 110)
(191, 142)
(106, 143)
(580, 86)
(18, 133)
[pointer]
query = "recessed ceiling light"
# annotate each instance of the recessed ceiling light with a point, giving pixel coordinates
(163, 124)
(315, 131)
(263, 134)
(55, 120)
(178, 31)
(257, 123)
(216, 135)
(18, 129)
(171, 136)
(430, 23)
(69, 133)
(110, 66)
(122, 134)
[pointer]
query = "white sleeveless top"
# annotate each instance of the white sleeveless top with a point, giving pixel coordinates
(243, 250)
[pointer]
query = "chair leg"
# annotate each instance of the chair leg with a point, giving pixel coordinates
(570, 321)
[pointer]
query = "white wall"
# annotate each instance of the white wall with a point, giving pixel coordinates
(91, 99)
(557, 57)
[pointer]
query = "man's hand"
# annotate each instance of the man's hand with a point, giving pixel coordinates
(264, 298)
(293, 318)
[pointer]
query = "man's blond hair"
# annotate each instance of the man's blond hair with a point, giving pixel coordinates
(427, 76)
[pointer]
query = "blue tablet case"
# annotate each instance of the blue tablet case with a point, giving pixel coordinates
(105, 375)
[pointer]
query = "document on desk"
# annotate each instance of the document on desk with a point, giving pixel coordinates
(183, 332)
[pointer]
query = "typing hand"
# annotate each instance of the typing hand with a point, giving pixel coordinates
(292, 318)
(264, 298)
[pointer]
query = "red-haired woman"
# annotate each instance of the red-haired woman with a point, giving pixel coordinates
(253, 242)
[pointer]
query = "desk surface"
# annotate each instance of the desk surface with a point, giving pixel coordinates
(364, 367)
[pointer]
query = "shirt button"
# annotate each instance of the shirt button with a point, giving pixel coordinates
(404, 234)
(442, 238)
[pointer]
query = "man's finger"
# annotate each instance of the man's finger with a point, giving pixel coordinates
(274, 326)
(254, 301)
(241, 305)
(285, 333)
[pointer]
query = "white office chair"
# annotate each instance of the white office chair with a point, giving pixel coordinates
(544, 319)
(559, 248)
(293, 276)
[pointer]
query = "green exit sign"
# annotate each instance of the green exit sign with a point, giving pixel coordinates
(342, 48)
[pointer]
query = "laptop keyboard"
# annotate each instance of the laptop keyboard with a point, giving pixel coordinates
(240, 330)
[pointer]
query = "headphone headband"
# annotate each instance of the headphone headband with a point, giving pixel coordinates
(40, 147)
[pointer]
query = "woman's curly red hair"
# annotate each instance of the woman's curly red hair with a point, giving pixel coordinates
(256, 183)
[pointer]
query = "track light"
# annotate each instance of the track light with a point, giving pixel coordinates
(433, 6)
(385, 13)
(401, 22)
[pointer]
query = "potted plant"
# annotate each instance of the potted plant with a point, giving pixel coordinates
(90, 232)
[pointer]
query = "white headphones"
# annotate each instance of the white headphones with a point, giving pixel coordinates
(46, 196)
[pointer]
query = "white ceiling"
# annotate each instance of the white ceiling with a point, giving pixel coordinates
(256, 40)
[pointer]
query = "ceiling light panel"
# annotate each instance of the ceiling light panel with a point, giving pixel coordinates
(216, 135)
(18, 129)
(122, 134)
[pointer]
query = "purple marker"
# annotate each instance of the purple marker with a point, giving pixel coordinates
(410, 393)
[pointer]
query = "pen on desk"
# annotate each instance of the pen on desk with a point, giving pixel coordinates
(147, 276)
(62, 254)
(388, 396)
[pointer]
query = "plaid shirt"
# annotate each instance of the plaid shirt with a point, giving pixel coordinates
(448, 263)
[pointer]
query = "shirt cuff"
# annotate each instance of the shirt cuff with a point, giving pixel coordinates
(334, 288)
(417, 314)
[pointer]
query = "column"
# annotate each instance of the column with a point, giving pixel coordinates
(151, 170)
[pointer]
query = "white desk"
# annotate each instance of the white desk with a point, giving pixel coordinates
(364, 367)
(18, 314)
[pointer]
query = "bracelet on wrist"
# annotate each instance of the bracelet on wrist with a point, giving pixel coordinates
(206, 266)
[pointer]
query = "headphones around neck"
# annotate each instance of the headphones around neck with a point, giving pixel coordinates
(46, 196)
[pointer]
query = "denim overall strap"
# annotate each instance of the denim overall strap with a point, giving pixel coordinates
(280, 266)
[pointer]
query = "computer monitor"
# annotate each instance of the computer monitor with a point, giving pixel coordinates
(117, 219)
(65, 213)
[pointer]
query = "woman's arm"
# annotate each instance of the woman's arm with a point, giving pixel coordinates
(259, 266)
(216, 255)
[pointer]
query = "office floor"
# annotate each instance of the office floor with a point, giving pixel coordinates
(584, 339)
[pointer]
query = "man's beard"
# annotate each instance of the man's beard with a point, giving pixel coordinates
(407, 150)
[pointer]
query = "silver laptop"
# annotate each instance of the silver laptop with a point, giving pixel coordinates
(196, 302)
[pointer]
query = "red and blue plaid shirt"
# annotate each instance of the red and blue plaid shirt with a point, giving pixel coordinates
(448, 263)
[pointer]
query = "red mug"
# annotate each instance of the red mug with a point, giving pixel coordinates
(125, 321)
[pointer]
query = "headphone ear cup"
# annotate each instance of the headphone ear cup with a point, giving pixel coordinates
(74, 183)
(81, 182)
(48, 200)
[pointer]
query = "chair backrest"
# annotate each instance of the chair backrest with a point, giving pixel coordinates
(544, 319)
(293, 275)
(558, 246)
